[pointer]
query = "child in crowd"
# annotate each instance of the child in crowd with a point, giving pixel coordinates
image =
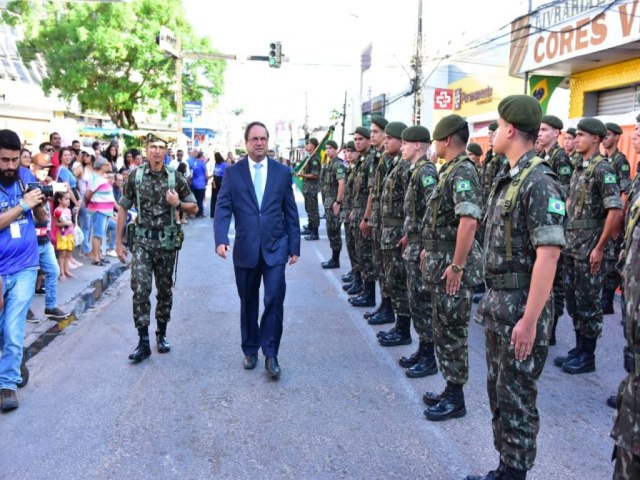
(64, 237)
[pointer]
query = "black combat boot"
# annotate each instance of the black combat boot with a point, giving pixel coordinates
(305, 230)
(552, 338)
(334, 262)
(451, 405)
(368, 315)
(585, 360)
(313, 235)
(355, 287)
(606, 301)
(161, 338)
(426, 364)
(402, 335)
(511, 473)
(497, 474)
(612, 401)
(367, 298)
(348, 277)
(386, 333)
(143, 350)
(559, 361)
(411, 360)
(384, 315)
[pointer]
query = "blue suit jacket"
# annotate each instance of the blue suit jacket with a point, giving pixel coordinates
(273, 228)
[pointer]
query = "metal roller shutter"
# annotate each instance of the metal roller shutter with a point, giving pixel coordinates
(620, 100)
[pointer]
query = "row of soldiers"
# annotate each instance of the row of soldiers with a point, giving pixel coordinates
(520, 224)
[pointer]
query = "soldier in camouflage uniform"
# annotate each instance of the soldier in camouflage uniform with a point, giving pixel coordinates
(517, 311)
(474, 152)
(492, 165)
(452, 264)
(627, 420)
(423, 179)
(392, 219)
(563, 168)
(345, 210)
(594, 216)
(620, 164)
(333, 193)
(310, 187)
(153, 255)
(570, 147)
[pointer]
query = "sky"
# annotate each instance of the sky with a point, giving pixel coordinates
(323, 42)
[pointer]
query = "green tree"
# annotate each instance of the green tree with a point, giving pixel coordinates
(105, 55)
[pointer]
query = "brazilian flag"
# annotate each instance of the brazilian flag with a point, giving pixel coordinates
(320, 151)
(542, 88)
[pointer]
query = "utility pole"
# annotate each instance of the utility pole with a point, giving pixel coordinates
(417, 70)
(344, 117)
(526, 74)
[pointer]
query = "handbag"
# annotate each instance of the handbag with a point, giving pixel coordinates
(78, 235)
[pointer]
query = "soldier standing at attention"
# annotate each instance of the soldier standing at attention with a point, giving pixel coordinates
(333, 193)
(452, 264)
(570, 146)
(492, 165)
(423, 179)
(523, 237)
(310, 184)
(474, 151)
(157, 193)
(594, 215)
(345, 210)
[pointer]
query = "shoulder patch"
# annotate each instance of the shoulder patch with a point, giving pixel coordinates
(624, 168)
(556, 206)
(610, 178)
(427, 180)
(463, 186)
(566, 170)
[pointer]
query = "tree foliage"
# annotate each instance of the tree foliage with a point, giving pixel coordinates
(105, 55)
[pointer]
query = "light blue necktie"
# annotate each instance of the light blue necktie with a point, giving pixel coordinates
(257, 183)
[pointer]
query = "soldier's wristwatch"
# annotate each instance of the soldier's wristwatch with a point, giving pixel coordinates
(456, 268)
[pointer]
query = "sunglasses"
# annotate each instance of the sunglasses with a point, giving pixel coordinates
(49, 150)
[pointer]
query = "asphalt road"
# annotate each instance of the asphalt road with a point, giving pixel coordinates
(343, 408)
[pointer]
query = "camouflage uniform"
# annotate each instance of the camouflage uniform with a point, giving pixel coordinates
(149, 259)
(492, 165)
(589, 200)
(424, 177)
(333, 172)
(345, 212)
(536, 220)
(627, 419)
(392, 215)
(310, 191)
(457, 194)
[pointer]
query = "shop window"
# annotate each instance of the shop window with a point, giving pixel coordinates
(618, 101)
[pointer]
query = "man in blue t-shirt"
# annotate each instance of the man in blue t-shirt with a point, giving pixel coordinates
(18, 260)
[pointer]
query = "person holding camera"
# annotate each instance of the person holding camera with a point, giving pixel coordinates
(158, 193)
(18, 261)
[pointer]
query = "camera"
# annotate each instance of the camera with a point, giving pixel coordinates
(47, 190)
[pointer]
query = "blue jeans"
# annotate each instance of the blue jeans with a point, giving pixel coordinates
(17, 292)
(49, 265)
(85, 224)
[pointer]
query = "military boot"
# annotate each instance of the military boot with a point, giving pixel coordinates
(606, 301)
(411, 360)
(402, 335)
(348, 277)
(426, 364)
(367, 298)
(497, 474)
(142, 351)
(355, 287)
(511, 473)
(386, 333)
(305, 230)
(384, 315)
(313, 235)
(334, 262)
(451, 406)
(368, 315)
(559, 361)
(585, 360)
(161, 338)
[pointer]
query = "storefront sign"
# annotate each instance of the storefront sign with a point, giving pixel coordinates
(478, 97)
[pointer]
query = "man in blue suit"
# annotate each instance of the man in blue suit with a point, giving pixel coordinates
(257, 192)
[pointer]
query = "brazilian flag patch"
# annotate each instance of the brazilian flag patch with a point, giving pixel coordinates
(556, 206)
(427, 180)
(610, 178)
(565, 170)
(624, 168)
(463, 186)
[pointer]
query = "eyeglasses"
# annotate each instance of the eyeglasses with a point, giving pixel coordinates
(258, 139)
(49, 150)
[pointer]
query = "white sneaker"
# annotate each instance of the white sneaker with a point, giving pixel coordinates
(112, 253)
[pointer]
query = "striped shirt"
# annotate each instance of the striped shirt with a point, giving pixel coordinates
(102, 200)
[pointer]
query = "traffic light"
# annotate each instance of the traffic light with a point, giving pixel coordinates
(275, 54)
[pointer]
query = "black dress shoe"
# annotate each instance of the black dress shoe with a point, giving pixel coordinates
(142, 351)
(163, 344)
(250, 362)
(271, 364)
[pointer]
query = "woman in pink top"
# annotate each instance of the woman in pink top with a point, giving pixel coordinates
(100, 204)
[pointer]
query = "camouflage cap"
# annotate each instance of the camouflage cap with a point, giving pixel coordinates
(593, 126)
(521, 111)
(614, 127)
(363, 131)
(380, 121)
(332, 143)
(493, 126)
(394, 129)
(553, 121)
(474, 148)
(313, 141)
(416, 133)
(448, 126)
(350, 145)
(571, 131)
(163, 137)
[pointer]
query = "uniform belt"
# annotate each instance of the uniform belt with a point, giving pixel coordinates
(508, 281)
(631, 361)
(148, 233)
(585, 224)
(440, 246)
(415, 238)
(393, 222)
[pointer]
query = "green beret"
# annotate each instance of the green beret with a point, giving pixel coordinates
(313, 141)
(493, 126)
(379, 121)
(474, 148)
(332, 143)
(571, 131)
(553, 121)
(593, 126)
(363, 131)
(350, 145)
(417, 133)
(164, 137)
(448, 126)
(614, 127)
(521, 111)
(394, 129)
